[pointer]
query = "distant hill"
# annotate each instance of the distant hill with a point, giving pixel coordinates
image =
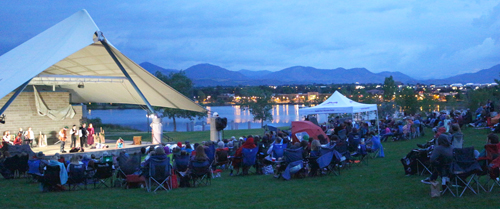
(152, 68)
(398, 77)
(216, 73)
(483, 76)
(255, 74)
(212, 75)
(300, 74)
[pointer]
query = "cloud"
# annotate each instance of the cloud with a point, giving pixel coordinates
(419, 38)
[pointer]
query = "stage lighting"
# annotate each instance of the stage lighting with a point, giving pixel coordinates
(80, 85)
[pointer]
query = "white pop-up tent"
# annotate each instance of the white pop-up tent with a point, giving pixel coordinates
(74, 56)
(338, 103)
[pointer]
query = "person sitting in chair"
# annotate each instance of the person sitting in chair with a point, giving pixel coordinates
(157, 154)
(119, 143)
(200, 156)
(221, 153)
(249, 144)
(441, 157)
(6, 138)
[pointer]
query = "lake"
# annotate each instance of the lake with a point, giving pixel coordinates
(283, 115)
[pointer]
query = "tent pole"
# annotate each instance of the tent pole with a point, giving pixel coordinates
(13, 97)
(106, 46)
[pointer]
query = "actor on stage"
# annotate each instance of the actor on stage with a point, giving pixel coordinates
(62, 138)
(19, 138)
(29, 137)
(21, 132)
(73, 132)
(6, 137)
(83, 136)
(91, 132)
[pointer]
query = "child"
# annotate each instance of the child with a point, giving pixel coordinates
(119, 143)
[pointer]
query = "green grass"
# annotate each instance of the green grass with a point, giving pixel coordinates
(192, 137)
(380, 184)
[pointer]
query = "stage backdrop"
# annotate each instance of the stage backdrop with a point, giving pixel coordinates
(22, 114)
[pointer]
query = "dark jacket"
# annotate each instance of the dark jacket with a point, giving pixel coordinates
(443, 153)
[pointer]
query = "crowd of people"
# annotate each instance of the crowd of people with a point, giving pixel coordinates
(86, 136)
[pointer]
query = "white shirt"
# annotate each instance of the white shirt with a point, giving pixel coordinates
(31, 134)
(6, 138)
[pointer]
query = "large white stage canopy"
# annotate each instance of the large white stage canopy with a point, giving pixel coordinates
(74, 54)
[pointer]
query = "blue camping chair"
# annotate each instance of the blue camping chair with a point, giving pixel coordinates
(160, 172)
(294, 162)
(35, 169)
(329, 160)
(249, 158)
(278, 150)
(210, 152)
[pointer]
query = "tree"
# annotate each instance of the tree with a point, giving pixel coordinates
(428, 104)
(260, 105)
(389, 88)
(180, 82)
(408, 101)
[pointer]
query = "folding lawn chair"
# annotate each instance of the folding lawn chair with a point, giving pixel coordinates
(12, 164)
(361, 154)
(278, 150)
(23, 166)
(76, 177)
(51, 179)
(181, 164)
(341, 148)
(200, 173)
(329, 160)
(103, 174)
(463, 167)
(249, 159)
(160, 174)
(423, 161)
(486, 162)
(294, 163)
(127, 165)
(35, 170)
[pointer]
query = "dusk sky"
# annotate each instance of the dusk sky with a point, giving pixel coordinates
(423, 39)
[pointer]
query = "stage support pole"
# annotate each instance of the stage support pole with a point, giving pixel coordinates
(110, 52)
(13, 97)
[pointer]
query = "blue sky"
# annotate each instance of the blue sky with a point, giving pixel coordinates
(423, 39)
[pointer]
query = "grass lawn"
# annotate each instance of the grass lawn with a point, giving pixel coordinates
(192, 137)
(380, 184)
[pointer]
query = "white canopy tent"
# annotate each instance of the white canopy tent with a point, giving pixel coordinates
(74, 56)
(338, 103)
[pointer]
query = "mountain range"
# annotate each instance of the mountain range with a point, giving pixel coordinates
(212, 75)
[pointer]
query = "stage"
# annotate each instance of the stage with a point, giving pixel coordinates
(50, 150)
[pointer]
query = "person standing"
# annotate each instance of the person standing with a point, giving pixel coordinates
(83, 136)
(91, 132)
(73, 132)
(62, 138)
(29, 136)
(21, 133)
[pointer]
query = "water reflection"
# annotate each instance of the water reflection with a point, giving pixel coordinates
(283, 115)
